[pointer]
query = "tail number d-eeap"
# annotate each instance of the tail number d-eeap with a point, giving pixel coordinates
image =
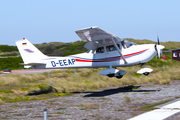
(64, 62)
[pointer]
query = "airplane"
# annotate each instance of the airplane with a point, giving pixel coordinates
(104, 50)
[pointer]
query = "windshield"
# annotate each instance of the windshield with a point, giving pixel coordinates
(127, 44)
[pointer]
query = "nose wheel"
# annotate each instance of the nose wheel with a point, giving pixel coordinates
(146, 73)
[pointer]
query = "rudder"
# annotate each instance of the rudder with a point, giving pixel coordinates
(28, 52)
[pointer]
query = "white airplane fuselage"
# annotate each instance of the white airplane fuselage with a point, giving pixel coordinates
(136, 54)
(105, 50)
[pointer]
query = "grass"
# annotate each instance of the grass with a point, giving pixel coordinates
(64, 81)
(168, 45)
(6, 91)
(62, 94)
(127, 99)
(18, 98)
(89, 106)
(61, 108)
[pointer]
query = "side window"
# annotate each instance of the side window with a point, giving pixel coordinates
(174, 54)
(111, 48)
(100, 50)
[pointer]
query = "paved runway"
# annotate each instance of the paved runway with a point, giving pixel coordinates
(39, 71)
(32, 71)
(165, 111)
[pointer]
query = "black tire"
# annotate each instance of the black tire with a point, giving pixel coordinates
(110, 75)
(146, 73)
(119, 77)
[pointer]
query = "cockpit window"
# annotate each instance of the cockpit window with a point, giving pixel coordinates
(127, 44)
(100, 50)
(111, 48)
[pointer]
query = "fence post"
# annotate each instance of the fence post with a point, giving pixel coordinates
(48, 73)
(23, 71)
(75, 71)
(45, 114)
(163, 68)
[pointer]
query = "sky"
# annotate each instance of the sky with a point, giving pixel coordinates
(44, 21)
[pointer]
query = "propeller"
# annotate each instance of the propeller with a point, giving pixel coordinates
(159, 47)
(158, 40)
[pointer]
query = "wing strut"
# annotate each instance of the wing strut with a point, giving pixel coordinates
(119, 50)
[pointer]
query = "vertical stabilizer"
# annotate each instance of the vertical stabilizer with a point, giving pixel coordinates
(28, 52)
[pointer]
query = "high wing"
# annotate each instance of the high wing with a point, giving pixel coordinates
(94, 36)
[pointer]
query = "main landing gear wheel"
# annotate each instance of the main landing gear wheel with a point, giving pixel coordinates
(119, 77)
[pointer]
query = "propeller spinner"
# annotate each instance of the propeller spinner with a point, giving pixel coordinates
(158, 47)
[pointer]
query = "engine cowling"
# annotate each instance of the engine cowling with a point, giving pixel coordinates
(113, 73)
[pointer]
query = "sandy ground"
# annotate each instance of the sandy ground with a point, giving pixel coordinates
(103, 104)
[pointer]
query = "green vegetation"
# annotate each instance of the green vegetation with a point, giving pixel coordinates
(88, 106)
(25, 89)
(137, 41)
(159, 62)
(62, 49)
(61, 108)
(6, 91)
(62, 94)
(11, 63)
(127, 99)
(168, 45)
(152, 106)
(18, 98)
(43, 87)
(6, 48)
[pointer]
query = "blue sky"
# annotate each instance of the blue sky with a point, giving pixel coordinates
(56, 20)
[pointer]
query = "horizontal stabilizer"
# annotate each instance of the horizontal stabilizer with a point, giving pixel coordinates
(32, 64)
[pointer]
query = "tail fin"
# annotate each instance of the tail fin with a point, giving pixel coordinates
(29, 53)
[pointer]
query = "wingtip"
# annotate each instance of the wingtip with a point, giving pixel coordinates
(87, 28)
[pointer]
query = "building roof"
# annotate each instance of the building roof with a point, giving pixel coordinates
(174, 49)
